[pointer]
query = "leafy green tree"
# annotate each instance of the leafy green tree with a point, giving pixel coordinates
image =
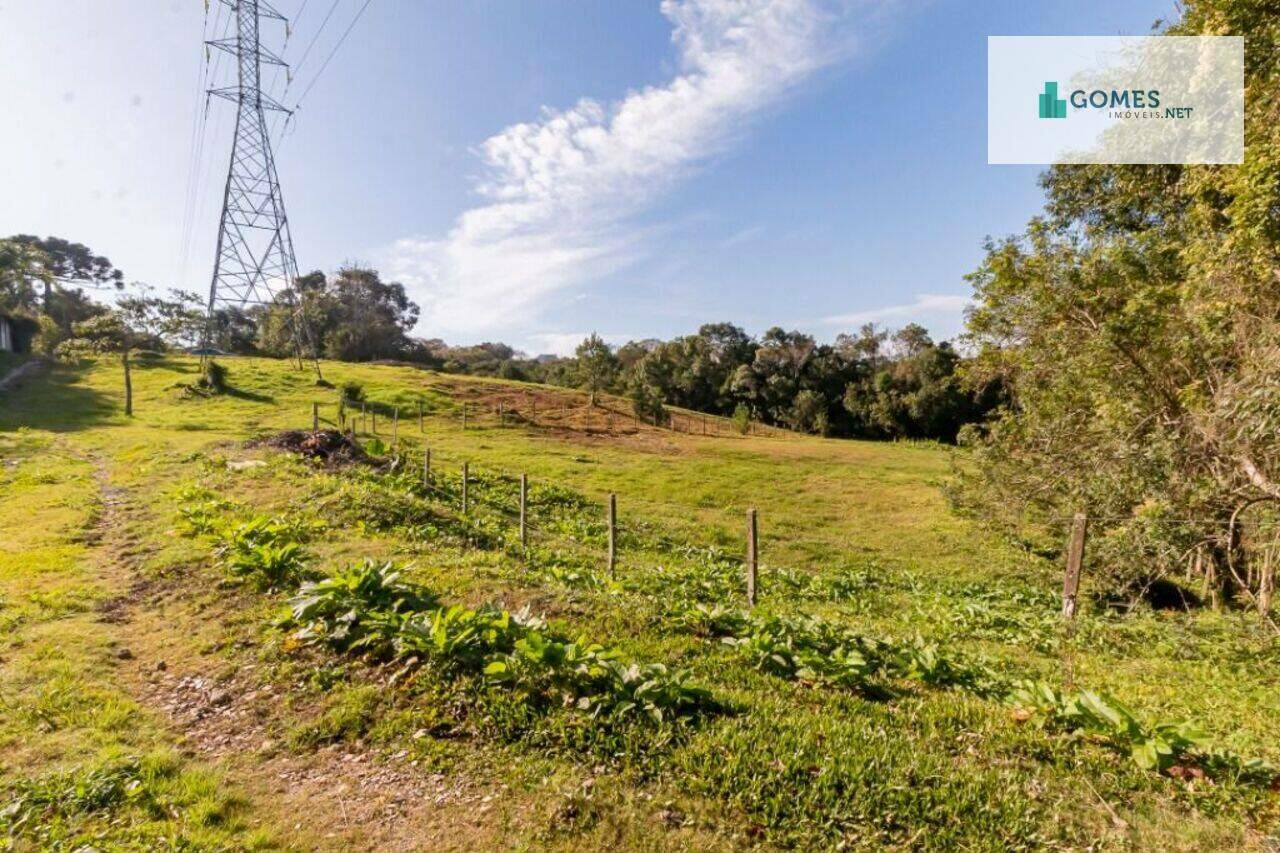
(178, 320)
(355, 316)
(770, 383)
(921, 395)
(235, 330)
(1135, 325)
(63, 262)
(108, 333)
(22, 267)
(597, 366)
(36, 278)
(867, 346)
(806, 410)
(645, 389)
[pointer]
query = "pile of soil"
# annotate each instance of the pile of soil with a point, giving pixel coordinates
(327, 445)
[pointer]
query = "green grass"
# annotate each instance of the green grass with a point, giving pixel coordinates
(11, 361)
(83, 762)
(856, 534)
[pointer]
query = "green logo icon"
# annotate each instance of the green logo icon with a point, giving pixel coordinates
(1051, 106)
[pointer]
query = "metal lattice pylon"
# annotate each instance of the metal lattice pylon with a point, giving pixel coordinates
(255, 263)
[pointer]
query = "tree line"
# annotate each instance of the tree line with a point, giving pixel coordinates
(872, 384)
(1135, 324)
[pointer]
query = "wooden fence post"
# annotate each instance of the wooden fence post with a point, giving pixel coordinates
(374, 417)
(426, 468)
(613, 536)
(395, 427)
(315, 417)
(464, 488)
(524, 518)
(1075, 565)
(752, 554)
(502, 414)
(128, 385)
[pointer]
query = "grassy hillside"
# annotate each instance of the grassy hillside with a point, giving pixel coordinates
(153, 690)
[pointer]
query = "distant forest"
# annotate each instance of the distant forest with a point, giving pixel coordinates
(874, 383)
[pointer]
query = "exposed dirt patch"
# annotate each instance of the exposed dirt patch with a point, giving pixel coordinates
(111, 532)
(223, 710)
(568, 415)
(346, 791)
(115, 610)
(327, 446)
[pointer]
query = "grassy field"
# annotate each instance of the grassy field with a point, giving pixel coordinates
(155, 690)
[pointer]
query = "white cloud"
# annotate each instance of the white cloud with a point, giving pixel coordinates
(564, 343)
(925, 303)
(559, 191)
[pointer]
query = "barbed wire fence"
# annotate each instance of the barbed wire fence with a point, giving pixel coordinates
(611, 537)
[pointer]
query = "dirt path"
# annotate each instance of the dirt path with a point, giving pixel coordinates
(223, 712)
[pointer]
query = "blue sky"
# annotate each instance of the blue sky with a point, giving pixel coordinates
(534, 170)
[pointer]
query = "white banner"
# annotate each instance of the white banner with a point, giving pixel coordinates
(1115, 99)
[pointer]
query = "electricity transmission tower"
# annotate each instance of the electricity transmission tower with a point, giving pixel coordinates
(255, 263)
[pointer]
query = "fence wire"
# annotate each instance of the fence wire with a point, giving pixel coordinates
(641, 533)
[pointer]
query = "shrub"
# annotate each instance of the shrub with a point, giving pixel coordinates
(199, 510)
(597, 680)
(459, 638)
(822, 424)
(263, 550)
(351, 392)
(819, 652)
(200, 518)
(367, 608)
(378, 506)
(1160, 746)
(359, 608)
(742, 418)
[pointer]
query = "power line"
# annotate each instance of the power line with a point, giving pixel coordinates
(298, 16)
(204, 166)
(281, 123)
(201, 70)
(298, 104)
(335, 50)
(315, 38)
(289, 25)
(199, 133)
